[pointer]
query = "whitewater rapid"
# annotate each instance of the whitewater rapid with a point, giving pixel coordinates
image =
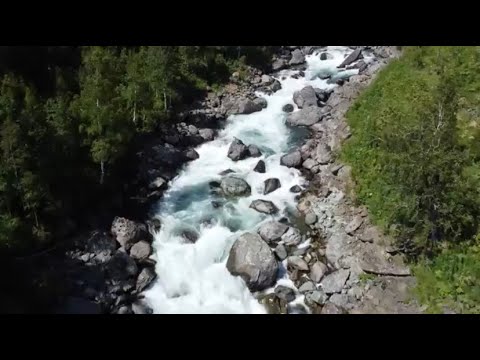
(193, 278)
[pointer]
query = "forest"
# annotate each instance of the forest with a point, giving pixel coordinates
(68, 115)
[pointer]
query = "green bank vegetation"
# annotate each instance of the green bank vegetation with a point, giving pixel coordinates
(415, 154)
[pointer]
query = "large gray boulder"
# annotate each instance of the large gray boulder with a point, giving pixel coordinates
(323, 154)
(141, 250)
(293, 159)
(121, 266)
(246, 106)
(128, 232)
(264, 206)
(334, 282)
(305, 97)
(254, 151)
(279, 64)
(293, 236)
(238, 150)
(317, 271)
(251, 258)
(354, 56)
(271, 185)
(272, 231)
(233, 186)
(207, 134)
(306, 116)
(297, 57)
(260, 167)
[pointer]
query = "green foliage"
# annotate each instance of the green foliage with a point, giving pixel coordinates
(415, 160)
(451, 280)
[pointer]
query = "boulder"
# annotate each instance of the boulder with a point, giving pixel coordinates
(190, 236)
(261, 102)
(323, 56)
(145, 278)
(317, 271)
(306, 117)
(317, 296)
(296, 262)
(251, 258)
(323, 154)
(276, 86)
(281, 252)
(128, 232)
(141, 250)
(260, 167)
(297, 57)
(141, 308)
(295, 189)
(288, 108)
(226, 172)
(353, 225)
(322, 95)
(285, 293)
(232, 186)
(310, 218)
(305, 97)
(264, 206)
(279, 64)
(238, 150)
(271, 185)
(307, 286)
(334, 282)
(254, 151)
(293, 159)
(191, 154)
(121, 266)
(273, 304)
(309, 164)
(158, 184)
(351, 58)
(272, 231)
(292, 236)
(267, 80)
(207, 134)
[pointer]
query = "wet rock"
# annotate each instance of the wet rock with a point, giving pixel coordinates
(306, 116)
(261, 102)
(254, 151)
(318, 271)
(305, 97)
(334, 282)
(141, 250)
(232, 186)
(216, 204)
(214, 184)
(296, 262)
(281, 252)
(124, 310)
(141, 308)
(310, 218)
(351, 58)
(285, 293)
(288, 108)
(353, 225)
(251, 258)
(270, 185)
(191, 154)
(293, 159)
(323, 56)
(190, 236)
(158, 184)
(238, 150)
(276, 86)
(226, 172)
(295, 189)
(272, 231)
(264, 206)
(145, 278)
(260, 167)
(274, 305)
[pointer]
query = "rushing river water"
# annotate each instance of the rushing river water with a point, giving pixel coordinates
(193, 278)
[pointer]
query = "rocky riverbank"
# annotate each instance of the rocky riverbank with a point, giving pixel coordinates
(341, 264)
